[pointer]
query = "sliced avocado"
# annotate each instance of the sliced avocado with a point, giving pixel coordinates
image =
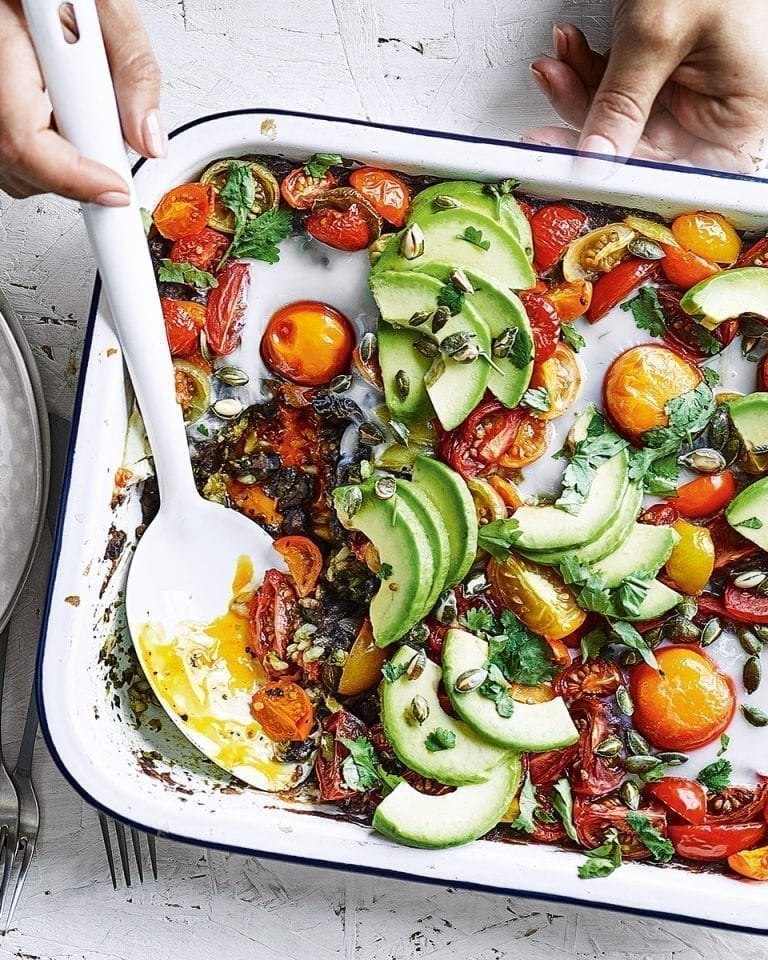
(747, 513)
(451, 496)
(550, 528)
(403, 545)
(454, 389)
(470, 760)
(659, 599)
(503, 261)
(419, 820)
(397, 356)
(645, 550)
(432, 521)
(728, 294)
(532, 726)
(475, 196)
(750, 418)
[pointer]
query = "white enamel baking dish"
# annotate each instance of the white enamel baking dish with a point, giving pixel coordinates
(146, 774)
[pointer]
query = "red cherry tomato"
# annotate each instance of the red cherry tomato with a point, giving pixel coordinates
(744, 605)
(756, 255)
(546, 768)
(303, 559)
(343, 229)
(385, 191)
(685, 269)
(300, 190)
(715, 841)
(553, 228)
(545, 324)
(614, 286)
(547, 826)
(729, 544)
(594, 818)
(339, 726)
(203, 250)
(225, 311)
(184, 210)
(588, 678)
(184, 319)
(682, 331)
(687, 799)
(308, 342)
(738, 805)
(527, 209)
(273, 617)
(660, 515)
(705, 495)
(592, 775)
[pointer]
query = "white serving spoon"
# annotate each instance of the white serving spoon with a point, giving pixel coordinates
(184, 564)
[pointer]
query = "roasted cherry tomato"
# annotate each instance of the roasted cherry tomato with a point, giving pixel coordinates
(303, 559)
(548, 767)
(597, 252)
(362, 668)
(685, 798)
(705, 495)
(225, 310)
(545, 324)
(184, 210)
(640, 383)
(692, 560)
(594, 818)
(274, 618)
(537, 595)
(715, 841)
(342, 229)
(508, 492)
(203, 250)
(683, 332)
(738, 804)
(560, 653)
(266, 191)
(588, 678)
(547, 826)
(339, 726)
(251, 500)
(592, 775)
(684, 268)
(561, 376)
(756, 255)
(752, 864)
(388, 194)
(614, 286)
(300, 190)
(283, 711)
(193, 389)
(553, 227)
(729, 544)
(684, 704)
(762, 374)
(308, 342)
(659, 515)
(570, 300)
(707, 234)
(184, 319)
(745, 605)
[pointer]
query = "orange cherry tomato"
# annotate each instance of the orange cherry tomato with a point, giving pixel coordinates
(692, 560)
(203, 250)
(506, 490)
(687, 799)
(184, 210)
(756, 255)
(530, 441)
(251, 500)
(686, 703)
(705, 495)
(561, 376)
(308, 342)
(560, 652)
(684, 268)
(362, 668)
(300, 190)
(283, 710)
(750, 863)
(640, 383)
(614, 286)
(304, 561)
(570, 300)
(184, 319)
(385, 191)
(343, 229)
(707, 234)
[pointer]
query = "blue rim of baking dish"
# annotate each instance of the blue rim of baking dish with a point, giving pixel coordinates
(65, 488)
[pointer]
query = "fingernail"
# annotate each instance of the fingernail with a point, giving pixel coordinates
(542, 80)
(113, 198)
(155, 137)
(591, 168)
(560, 40)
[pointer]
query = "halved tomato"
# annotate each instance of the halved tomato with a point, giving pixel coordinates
(709, 235)
(300, 189)
(588, 678)
(184, 319)
(203, 250)
(715, 841)
(225, 310)
(705, 495)
(594, 818)
(687, 799)
(283, 711)
(745, 606)
(561, 377)
(729, 544)
(752, 864)
(303, 559)
(570, 300)
(385, 191)
(592, 775)
(553, 227)
(684, 268)
(545, 324)
(273, 614)
(184, 210)
(614, 286)
(683, 332)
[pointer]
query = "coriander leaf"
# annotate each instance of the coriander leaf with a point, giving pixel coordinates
(521, 656)
(201, 428)
(477, 620)
(499, 536)
(573, 571)
(631, 593)
(359, 768)
(562, 801)
(711, 376)
(238, 194)
(706, 341)
(572, 337)
(496, 688)
(171, 272)
(602, 860)
(537, 398)
(528, 806)
(440, 739)
(647, 311)
(751, 523)
(320, 163)
(589, 454)
(716, 776)
(391, 672)
(628, 635)
(595, 595)
(385, 571)
(146, 219)
(593, 643)
(662, 476)
(640, 462)
(450, 297)
(661, 849)
(474, 236)
(724, 741)
(690, 413)
(261, 236)
(521, 352)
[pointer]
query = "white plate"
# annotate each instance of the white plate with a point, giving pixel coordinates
(146, 773)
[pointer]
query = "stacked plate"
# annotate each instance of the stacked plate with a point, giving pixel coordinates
(23, 459)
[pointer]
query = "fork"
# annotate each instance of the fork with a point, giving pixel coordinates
(9, 799)
(122, 846)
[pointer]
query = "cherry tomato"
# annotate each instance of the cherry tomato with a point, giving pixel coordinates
(705, 495)
(762, 374)
(184, 319)
(545, 324)
(225, 310)
(684, 268)
(388, 194)
(362, 668)
(507, 491)
(588, 678)
(660, 515)
(251, 500)
(686, 703)
(553, 227)
(344, 230)
(614, 286)
(570, 300)
(715, 841)
(193, 389)
(561, 376)
(729, 544)
(592, 775)
(738, 804)
(639, 384)
(592, 621)
(687, 799)
(273, 615)
(304, 561)
(683, 332)
(283, 711)
(550, 829)
(203, 250)
(537, 595)
(184, 210)
(300, 190)
(707, 234)
(745, 605)
(752, 864)
(339, 726)
(594, 818)
(756, 255)
(692, 560)
(308, 342)
(548, 767)
(560, 653)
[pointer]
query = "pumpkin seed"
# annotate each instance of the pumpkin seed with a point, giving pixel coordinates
(467, 354)
(426, 347)
(681, 630)
(703, 460)
(402, 384)
(370, 434)
(446, 609)
(455, 342)
(340, 384)
(441, 316)
(351, 501)
(416, 665)
(754, 716)
(645, 248)
(711, 630)
(366, 469)
(732, 448)
(629, 658)
(760, 630)
(641, 763)
(752, 327)
(749, 579)
(232, 376)
(629, 792)
(247, 479)
(368, 346)
(470, 680)
(654, 637)
(228, 408)
(636, 743)
(446, 203)
(719, 429)
(418, 709)
(434, 373)
(205, 350)
(504, 342)
(672, 758)
(748, 344)
(400, 432)
(688, 607)
(419, 318)
(476, 584)
(751, 674)
(411, 243)
(762, 588)
(749, 642)
(609, 747)
(385, 487)
(624, 701)
(418, 634)
(461, 281)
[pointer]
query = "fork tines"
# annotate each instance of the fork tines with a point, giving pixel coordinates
(122, 846)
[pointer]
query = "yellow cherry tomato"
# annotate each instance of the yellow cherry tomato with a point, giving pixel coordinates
(693, 557)
(750, 863)
(362, 668)
(708, 235)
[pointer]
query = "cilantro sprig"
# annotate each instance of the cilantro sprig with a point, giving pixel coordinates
(659, 847)
(528, 807)
(521, 656)
(440, 739)
(647, 312)
(450, 297)
(589, 454)
(716, 776)
(361, 770)
(499, 536)
(171, 272)
(474, 236)
(604, 859)
(320, 163)
(537, 398)
(254, 237)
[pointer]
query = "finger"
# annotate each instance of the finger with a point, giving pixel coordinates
(571, 47)
(15, 187)
(712, 156)
(551, 136)
(563, 88)
(668, 136)
(136, 76)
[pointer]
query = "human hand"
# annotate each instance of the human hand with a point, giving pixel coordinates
(683, 82)
(34, 158)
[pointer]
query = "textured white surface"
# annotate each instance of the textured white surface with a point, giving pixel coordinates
(445, 64)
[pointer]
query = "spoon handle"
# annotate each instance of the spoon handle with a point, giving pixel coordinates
(80, 87)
